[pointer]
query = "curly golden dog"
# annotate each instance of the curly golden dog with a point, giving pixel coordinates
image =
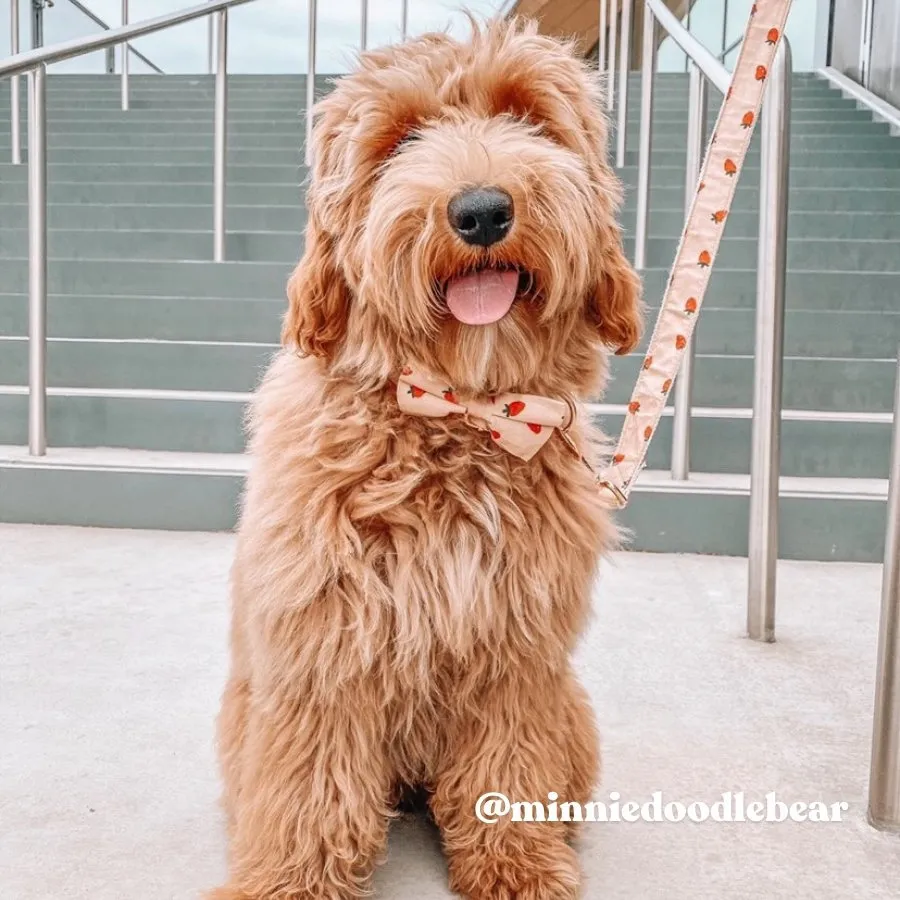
(406, 591)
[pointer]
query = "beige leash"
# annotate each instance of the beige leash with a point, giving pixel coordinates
(698, 247)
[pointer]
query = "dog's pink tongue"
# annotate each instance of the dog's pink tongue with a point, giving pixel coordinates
(483, 297)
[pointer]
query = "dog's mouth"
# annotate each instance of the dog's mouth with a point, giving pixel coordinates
(483, 296)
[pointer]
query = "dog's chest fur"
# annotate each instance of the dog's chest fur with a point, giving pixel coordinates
(411, 540)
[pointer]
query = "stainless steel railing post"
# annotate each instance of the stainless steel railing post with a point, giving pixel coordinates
(310, 80)
(645, 146)
(624, 68)
(220, 132)
(210, 45)
(37, 23)
(15, 112)
(601, 37)
(364, 25)
(765, 465)
(404, 18)
(884, 782)
(37, 261)
(125, 94)
(611, 68)
(684, 383)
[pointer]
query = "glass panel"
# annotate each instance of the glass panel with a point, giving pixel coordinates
(713, 20)
(705, 21)
(801, 31)
(845, 37)
(884, 78)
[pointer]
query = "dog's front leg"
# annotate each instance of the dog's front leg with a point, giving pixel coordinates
(524, 736)
(312, 819)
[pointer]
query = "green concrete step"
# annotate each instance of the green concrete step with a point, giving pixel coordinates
(735, 253)
(190, 423)
(673, 130)
(870, 141)
(813, 445)
(253, 105)
(848, 334)
(149, 365)
(811, 448)
(665, 223)
(159, 244)
(292, 155)
(199, 217)
(742, 223)
(662, 197)
(820, 519)
(143, 278)
(836, 383)
(290, 176)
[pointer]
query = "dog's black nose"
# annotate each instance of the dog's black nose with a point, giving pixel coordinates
(482, 216)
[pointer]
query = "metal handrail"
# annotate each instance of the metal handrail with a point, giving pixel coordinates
(772, 271)
(32, 59)
(98, 21)
(712, 69)
(884, 782)
(34, 63)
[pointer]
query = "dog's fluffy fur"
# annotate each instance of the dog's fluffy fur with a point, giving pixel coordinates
(406, 594)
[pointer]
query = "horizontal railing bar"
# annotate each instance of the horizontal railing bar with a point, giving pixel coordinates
(714, 71)
(25, 62)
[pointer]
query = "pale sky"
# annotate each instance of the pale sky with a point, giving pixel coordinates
(265, 36)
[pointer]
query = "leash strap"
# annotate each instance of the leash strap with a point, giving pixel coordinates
(699, 245)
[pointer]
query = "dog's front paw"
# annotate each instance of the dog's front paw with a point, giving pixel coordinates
(545, 871)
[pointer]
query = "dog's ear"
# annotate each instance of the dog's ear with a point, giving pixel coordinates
(615, 303)
(318, 297)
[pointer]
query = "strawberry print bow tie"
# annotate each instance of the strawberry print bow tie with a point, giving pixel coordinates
(520, 423)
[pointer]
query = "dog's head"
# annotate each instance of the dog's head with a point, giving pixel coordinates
(462, 214)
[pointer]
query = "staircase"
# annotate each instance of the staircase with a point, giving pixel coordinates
(154, 349)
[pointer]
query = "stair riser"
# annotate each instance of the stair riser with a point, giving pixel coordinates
(115, 278)
(735, 253)
(671, 131)
(136, 278)
(208, 367)
(175, 218)
(855, 335)
(850, 144)
(810, 529)
(663, 223)
(816, 529)
(805, 254)
(292, 120)
(289, 177)
(820, 199)
(120, 500)
(161, 245)
(809, 449)
(720, 381)
(293, 156)
(189, 426)
(249, 104)
(801, 225)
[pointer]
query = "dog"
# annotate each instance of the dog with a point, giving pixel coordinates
(406, 590)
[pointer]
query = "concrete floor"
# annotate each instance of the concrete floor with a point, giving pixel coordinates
(113, 654)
